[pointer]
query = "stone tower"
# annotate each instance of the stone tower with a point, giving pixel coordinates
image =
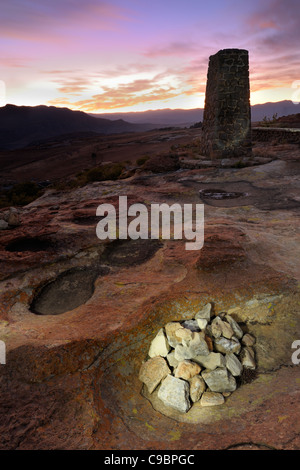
(227, 115)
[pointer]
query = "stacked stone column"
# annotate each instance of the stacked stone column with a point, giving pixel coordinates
(227, 115)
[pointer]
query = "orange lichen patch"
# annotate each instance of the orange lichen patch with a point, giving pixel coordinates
(24, 297)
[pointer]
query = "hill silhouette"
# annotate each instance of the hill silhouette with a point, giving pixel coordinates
(187, 117)
(23, 125)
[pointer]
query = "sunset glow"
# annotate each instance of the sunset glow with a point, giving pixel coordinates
(130, 55)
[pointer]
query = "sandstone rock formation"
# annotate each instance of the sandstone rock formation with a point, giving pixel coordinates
(71, 380)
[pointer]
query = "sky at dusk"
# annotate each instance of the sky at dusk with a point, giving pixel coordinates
(135, 55)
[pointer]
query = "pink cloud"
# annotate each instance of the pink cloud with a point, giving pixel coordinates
(174, 48)
(126, 95)
(16, 62)
(50, 21)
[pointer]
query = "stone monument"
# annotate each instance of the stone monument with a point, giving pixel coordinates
(227, 115)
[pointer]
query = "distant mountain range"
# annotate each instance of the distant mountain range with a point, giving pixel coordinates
(21, 126)
(187, 117)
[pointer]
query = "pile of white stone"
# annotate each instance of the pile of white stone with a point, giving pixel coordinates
(198, 360)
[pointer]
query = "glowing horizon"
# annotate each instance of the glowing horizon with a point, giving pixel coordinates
(131, 56)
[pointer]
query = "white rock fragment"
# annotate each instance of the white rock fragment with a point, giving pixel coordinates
(160, 345)
(191, 325)
(247, 359)
(219, 380)
(251, 351)
(184, 334)
(221, 328)
(171, 329)
(238, 332)
(227, 331)
(248, 340)
(225, 345)
(175, 392)
(211, 399)
(233, 364)
(182, 352)
(216, 328)
(153, 372)
(197, 388)
(202, 323)
(192, 347)
(171, 359)
(205, 312)
(186, 370)
(198, 345)
(211, 361)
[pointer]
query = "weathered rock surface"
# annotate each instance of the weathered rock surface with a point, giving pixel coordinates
(197, 388)
(153, 372)
(219, 380)
(198, 345)
(182, 352)
(211, 361)
(174, 392)
(227, 331)
(225, 345)
(204, 313)
(13, 219)
(160, 345)
(212, 399)
(238, 332)
(71, 381)
(202, 323)
(248, 340)
(3, 224)
(191, 325)
(194, 345)
(171, 328)
(186, 370)
(233, 364)
(171, 359)
(185, 334)
(247, 358)
(216, 328)
(221, 328)
(222, 249)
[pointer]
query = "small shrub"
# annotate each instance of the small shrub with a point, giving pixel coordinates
(110, 171)
(267, 122)
(239, 164)
(105, 172)
(196, 125)
(22, 194)
(141, 161)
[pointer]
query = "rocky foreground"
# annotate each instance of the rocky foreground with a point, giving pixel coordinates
(213, 344)
(78, 316)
